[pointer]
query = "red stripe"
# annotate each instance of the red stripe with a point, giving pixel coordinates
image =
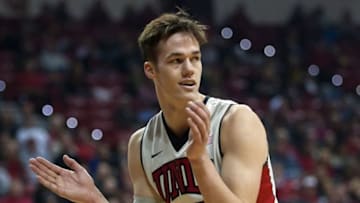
(266, 194)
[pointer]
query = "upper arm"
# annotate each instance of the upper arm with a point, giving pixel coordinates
(244, 145)
(141, 186)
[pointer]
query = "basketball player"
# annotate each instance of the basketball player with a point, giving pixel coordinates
(196, 149)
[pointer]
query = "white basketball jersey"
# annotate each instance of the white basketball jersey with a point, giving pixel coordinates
(169, 171)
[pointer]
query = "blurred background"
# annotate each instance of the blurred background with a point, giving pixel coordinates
(71, 81)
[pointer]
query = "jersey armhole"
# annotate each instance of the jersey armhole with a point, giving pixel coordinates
(221, 121)
(141, 154)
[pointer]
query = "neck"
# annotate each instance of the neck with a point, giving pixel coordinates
(176, 116)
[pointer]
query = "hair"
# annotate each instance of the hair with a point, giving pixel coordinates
(162, 27)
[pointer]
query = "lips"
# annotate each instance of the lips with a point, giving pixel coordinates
(187, 83)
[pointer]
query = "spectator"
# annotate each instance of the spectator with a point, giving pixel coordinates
(32, 137)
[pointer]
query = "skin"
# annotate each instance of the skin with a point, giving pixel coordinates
(75, 185)
(243, 138)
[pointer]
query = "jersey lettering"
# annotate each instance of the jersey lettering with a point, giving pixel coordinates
(174, 179)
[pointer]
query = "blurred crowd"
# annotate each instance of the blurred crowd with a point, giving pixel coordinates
(306, 92)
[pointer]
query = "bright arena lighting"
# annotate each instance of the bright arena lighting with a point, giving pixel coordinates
(97, 134)
(226, 33)
(2, 85)
(245, 44)
(358, 90)
(269, 51)
(47, 110)
(313, 70)
(72, 122)
(337, 80)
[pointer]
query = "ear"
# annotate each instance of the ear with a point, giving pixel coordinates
(149, 70)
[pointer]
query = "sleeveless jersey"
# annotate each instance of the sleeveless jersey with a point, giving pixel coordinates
(169, 171)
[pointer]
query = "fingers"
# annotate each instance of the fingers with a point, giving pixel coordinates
(47, 173)
(72, 163)
(199, 119)
(44, 168)
(45, 164)
(195, 133)
(200, 110)
(50, 185)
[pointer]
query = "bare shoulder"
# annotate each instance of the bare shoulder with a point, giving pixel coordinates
(141, 186)
(134, 162)
(242, 127)
(241, 114)
(244, 147)
(135, 139)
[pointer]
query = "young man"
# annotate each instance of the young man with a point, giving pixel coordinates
(196, 149)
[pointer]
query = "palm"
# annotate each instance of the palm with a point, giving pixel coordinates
(196, 149)
(73, 185)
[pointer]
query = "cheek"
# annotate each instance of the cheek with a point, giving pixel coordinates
(167, 78)
(199, 71)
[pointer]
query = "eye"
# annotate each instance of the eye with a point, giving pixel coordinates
(195, 58)
(176, 61)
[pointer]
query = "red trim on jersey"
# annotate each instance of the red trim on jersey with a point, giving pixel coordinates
(266, 194)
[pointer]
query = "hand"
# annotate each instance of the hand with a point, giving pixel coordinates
(199, 122)
(75, 185)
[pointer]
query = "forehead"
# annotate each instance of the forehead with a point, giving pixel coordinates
(181, 42)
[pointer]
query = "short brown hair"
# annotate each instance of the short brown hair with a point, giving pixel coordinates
(166, 25)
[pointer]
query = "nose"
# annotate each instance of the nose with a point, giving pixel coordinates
(187, 68)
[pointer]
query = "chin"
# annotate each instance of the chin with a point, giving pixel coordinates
(193, 96)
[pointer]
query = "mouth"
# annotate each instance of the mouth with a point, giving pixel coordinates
(188, 84)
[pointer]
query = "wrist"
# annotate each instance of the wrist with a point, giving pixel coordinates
(97, 197)
(198, 161)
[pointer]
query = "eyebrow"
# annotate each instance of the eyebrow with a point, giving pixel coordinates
(182, 54)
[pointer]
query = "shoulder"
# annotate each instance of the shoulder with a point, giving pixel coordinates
(240, 112)
(141, 186)
(235, 112)
(134, 146)
(134, 160)
(242, 128)
(135, 139)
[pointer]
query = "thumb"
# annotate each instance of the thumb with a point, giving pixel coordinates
(72, 163)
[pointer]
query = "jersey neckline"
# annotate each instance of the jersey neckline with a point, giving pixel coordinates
(178, 141)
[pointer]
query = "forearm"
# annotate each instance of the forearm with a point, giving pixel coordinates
(211, 185)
